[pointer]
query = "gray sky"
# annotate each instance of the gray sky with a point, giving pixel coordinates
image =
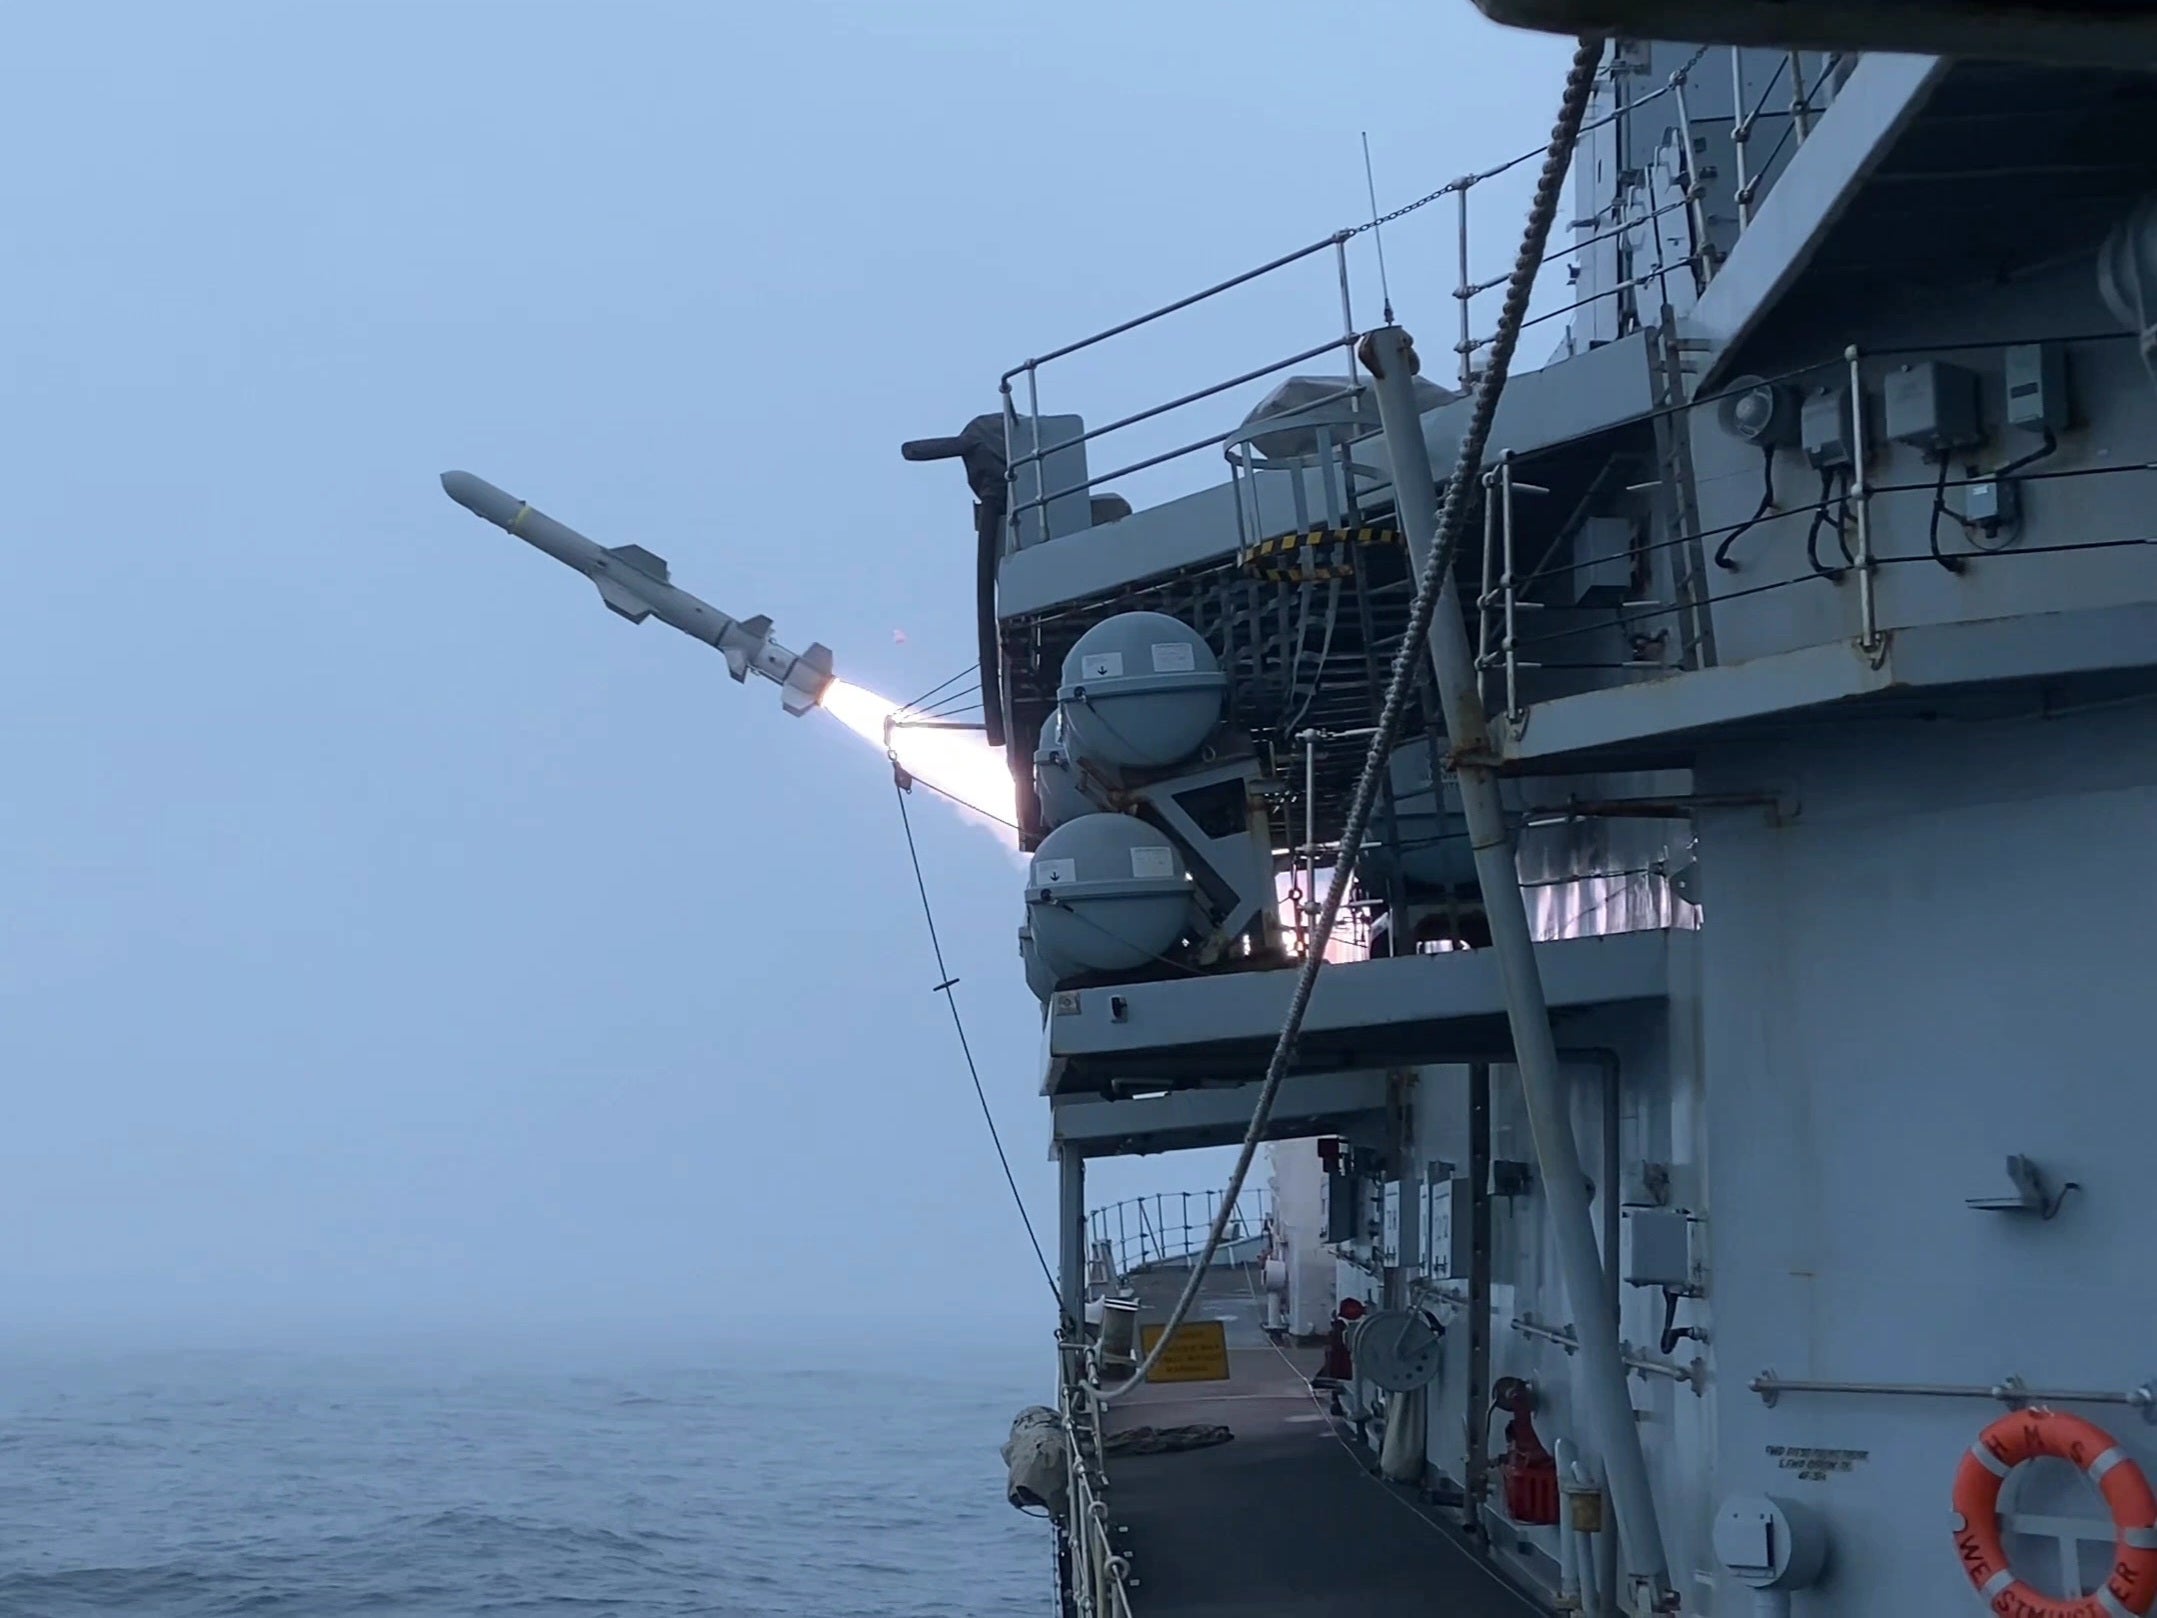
(390, 934)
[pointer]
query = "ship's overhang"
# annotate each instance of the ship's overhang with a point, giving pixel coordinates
(2045, 660)
(1135, 1039)
(1933, 174)
(1181, 1120)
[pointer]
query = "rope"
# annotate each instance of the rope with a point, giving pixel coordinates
(940, 685)
(945, 983)
(1452, 521)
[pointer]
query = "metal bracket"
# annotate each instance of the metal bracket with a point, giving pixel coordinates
(2031, 1193)
(2011, 1391)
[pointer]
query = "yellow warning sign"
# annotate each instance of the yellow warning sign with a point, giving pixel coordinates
(1197, 1353)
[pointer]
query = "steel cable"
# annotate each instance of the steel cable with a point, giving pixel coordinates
(1452, 521)
(945, 984)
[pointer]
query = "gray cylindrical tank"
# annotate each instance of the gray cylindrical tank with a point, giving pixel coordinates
(1105, 893)
(1058, 791)
(1433, 834)
(1140, 691)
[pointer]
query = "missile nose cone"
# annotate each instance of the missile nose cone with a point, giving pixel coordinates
(462, 487)
(480, 497)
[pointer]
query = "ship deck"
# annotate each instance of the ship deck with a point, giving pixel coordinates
(1287, 1517)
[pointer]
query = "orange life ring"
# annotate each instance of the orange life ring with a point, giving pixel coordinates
(2024, 1436)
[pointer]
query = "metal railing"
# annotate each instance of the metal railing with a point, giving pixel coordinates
(1100, 1573)
(1847, 551)
(1033, 458)
(1694, 1373)
(1170, 1227)
(1631, 217)
(1630, 214)
(2011, 1391)
(1500, 603)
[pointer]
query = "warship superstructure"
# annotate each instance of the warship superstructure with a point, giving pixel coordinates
(1710, 1172)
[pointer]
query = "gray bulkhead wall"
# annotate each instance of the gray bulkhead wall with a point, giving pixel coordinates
(1943, 960)
(1660, 1117)
(2115, 424)
(1442, 1137)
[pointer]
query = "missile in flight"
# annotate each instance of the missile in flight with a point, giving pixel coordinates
(634, 582)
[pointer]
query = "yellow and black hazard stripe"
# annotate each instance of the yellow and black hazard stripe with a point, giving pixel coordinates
(1315, 556)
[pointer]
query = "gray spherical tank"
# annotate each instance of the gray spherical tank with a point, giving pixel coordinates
(1058, 788)
(1040, 975)
(1105, 893)
(1141, 691)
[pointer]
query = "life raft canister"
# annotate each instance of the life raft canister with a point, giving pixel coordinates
(2027, 1435)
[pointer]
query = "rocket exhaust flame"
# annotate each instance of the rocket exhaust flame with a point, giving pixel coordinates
(960, 764)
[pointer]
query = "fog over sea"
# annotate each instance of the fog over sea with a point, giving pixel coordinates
(735, 1481)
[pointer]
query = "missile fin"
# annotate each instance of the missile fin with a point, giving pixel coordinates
(652, 567)
(759, 626)
(622, 600)
(808, 680)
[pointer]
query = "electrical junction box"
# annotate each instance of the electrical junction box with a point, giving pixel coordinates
(1343, 1208)
(1603, 562)
(1932, 406)
(1658, 1248)
(2037, 387)
(1389, 1224)
(1447, 1221)
(1824, 428)
(1990, 504)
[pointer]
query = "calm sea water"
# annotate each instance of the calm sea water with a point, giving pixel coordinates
(310, 1485)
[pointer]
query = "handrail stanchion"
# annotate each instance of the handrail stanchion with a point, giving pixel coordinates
(1740, 133)
(1348, 310)
(1868, 607)
(1464, 292)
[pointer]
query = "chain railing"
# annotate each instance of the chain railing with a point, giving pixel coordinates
(1100, 1571)
(1168, 1227)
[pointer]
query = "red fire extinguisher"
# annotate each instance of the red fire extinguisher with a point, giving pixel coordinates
(1339, 1368)
(1528, 1472)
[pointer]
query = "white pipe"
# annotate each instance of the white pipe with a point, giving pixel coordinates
(1535, 1050)
(1568, 1536)
(1598, 1552)
(1606, 1570)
